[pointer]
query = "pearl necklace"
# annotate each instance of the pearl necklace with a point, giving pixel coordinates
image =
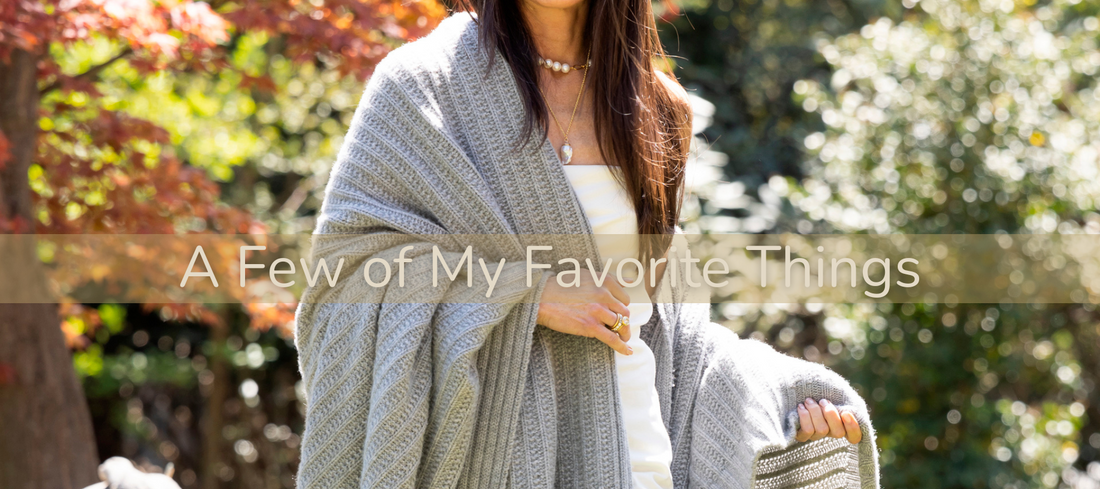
(566, 149)
(562, 67)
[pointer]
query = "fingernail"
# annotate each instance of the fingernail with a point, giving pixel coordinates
(629, 351)
(801, 407)
(824, 402)
(809, 401)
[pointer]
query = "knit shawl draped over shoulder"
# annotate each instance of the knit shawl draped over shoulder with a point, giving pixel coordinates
(448, 392)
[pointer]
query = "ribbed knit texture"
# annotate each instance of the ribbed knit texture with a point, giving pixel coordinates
(449, 392)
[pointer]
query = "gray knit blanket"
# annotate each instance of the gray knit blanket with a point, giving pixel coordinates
(426, 385)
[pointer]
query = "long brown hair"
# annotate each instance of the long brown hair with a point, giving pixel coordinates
(641, 124)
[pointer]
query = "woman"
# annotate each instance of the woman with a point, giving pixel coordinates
(481, 129)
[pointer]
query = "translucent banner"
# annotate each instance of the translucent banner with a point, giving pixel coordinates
(390, 267)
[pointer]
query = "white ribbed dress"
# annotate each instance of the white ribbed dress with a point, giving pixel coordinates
(611, 213)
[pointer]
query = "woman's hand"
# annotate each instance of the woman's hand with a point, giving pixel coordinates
(818, 419)
(587, 310)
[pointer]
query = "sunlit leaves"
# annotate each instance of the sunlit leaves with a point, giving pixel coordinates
(973, 117)
(956, 116)
(995, 99)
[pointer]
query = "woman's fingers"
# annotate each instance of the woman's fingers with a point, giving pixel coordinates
(610, 316)
(805, 424)
(819, 419)
(587, 311)
(851, 426)
(617, 307)
(600, 332)
(821, 428)
(612, 285)
(832, 417)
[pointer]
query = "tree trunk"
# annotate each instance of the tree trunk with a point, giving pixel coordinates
(46, 437)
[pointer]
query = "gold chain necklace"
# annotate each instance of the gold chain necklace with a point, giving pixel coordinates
(566, 149)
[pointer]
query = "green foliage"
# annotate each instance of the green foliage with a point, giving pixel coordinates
(965, 117)
(744, 56)
(113, 317)
(971, 120)
(268, 128)
(152, 383)
(107, 374)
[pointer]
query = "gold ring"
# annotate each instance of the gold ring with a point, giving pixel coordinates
(620, 321)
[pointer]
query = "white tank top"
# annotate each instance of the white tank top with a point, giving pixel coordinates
(611, 214)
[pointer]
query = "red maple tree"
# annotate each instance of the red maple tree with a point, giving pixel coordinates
(46, 438)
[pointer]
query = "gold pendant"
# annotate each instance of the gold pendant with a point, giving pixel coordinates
(566, 153)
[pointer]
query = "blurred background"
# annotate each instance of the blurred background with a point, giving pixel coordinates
(820, 116)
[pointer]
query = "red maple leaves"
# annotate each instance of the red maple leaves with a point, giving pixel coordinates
(104, 171)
